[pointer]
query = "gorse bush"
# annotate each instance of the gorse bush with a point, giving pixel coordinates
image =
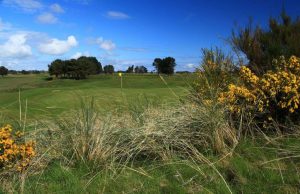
(216, 71)
(261, 45)
(272, 97)
(14, 151)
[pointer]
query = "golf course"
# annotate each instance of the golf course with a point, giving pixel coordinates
(51, 98)
(149, 97)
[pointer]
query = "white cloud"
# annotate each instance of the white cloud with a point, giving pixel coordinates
(56, 8)
(25, 5)
(190, 65)
(117, 15)
(47, 18)
(106, 45)
(80, 54)
(58, 47)
(15, 47)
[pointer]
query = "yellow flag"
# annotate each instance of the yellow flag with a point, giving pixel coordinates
(120, 74)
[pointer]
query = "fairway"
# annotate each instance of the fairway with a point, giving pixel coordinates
(51, 98)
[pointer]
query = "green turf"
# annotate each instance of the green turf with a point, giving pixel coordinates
(51, 98)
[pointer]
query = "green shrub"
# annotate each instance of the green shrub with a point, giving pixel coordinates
(216, 71)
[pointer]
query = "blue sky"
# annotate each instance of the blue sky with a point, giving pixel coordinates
(123, 32)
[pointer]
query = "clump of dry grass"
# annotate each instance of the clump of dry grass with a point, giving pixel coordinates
(92, 138)
(165, 133)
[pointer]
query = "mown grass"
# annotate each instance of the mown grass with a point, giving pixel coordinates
(51, 98)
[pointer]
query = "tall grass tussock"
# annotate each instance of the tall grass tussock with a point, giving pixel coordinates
(121, 138)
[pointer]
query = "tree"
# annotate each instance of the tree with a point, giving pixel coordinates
(157, 64)
(130, 69)
(56, 67)
(3, 71)
(140, 69)
(109, 69)
(261, 46)
(165, 66)
(13, 72)
(92, 65)
(75, 68)
(25, 72)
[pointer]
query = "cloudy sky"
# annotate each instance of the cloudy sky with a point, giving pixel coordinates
(123, 32)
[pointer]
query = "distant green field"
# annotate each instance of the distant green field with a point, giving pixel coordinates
(50, 98)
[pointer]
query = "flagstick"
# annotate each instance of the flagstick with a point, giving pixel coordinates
(121, 82)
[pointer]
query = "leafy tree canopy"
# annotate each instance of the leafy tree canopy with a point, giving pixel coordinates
(3, 71)
(165, 66)
(75, 68)
(109, 69)
(130, 69)
(140, 69)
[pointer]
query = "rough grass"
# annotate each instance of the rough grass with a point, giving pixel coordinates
(142, 144)
(245, 172)
(159, 133)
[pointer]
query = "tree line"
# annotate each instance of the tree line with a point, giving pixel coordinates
(4, 71)
(137, 69)
(75, 68)
(82, 67)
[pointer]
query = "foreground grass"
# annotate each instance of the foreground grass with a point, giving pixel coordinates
(249, 170)
(253, 166)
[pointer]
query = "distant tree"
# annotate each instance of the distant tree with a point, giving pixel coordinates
(35, 71)
(92, 65)
(24, 72)
(12, 72)
(109, 69)
(183, 72)
(130, 69)
(75, 68)
(261, 46)
(3, 71)
(140, 69)
(56, 67)
(165, 66)
(157, 64)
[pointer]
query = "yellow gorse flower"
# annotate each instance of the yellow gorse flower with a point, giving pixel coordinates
(13, 152)
(281, 87)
